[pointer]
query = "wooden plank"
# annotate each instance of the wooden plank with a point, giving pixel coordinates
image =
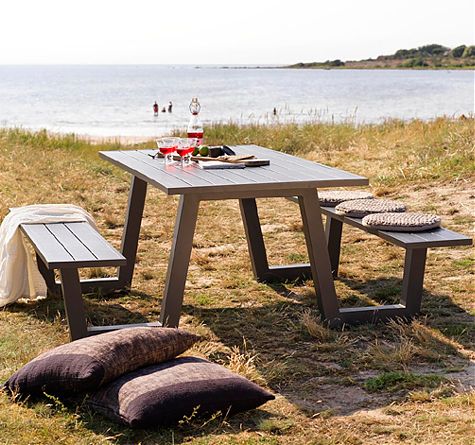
(261, 174)
(59, 247)
(70, 242)
(176, 182)
(46, 245)
(161, 180)
(439, 237)
(292, 166)
(300, 165)
(212, 178)
(94, 242)
(192, 176)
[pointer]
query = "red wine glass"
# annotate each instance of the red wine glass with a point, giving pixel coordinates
(167, 146)
(185, 147)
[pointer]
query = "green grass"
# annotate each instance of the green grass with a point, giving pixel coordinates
(396, 381)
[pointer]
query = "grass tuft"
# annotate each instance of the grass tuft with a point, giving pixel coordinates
(396, 381)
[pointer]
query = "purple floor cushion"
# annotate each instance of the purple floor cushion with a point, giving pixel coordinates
(88, 363)
(163, 394)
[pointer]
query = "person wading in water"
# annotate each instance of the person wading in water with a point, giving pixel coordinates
(155, 109)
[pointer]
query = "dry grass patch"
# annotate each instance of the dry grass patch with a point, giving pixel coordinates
(269, 333)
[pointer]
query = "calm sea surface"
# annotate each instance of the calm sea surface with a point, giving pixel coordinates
(117, 100)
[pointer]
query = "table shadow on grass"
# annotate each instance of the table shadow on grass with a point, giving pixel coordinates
(437, 310)
(326, 373)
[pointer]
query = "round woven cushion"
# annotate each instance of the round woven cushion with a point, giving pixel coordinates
(402, 222)
(358, 208)
(331, 198)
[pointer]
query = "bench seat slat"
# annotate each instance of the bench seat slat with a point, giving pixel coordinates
(94, 242)
(439, 237)
(46, 245)
(71, 245)
(70, 242)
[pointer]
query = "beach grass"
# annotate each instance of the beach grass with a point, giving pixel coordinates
(369, 384)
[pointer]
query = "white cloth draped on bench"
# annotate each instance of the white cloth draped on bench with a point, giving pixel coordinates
(19, 274)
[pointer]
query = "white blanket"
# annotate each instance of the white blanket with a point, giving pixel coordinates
(19, 274)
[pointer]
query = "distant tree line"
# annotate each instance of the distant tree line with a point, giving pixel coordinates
(432, 51)
(431, 56)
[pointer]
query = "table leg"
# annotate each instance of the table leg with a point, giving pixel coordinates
(263, 272)
(255, 240)
(130, 235)
(179, 261)
(318, 254)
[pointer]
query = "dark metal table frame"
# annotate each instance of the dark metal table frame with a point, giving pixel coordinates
(319, 268)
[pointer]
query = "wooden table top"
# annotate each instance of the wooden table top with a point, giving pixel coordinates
(284, 172)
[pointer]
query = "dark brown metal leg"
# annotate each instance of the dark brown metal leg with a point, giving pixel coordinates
(333, 229)
(257, 249)
(130, 236)
(179, 260)
(48, 275)
(318, 254)
(412, 283)
(255, 240)
(73, 303)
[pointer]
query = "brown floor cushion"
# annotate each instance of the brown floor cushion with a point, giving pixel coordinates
(362, 207)
(331, 198)
(402, 222)
(163, 394)
(90, 362)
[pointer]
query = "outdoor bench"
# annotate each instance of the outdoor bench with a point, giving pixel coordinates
(68, 247)
(416, 245)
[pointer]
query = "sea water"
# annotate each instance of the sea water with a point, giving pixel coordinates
(116, 100)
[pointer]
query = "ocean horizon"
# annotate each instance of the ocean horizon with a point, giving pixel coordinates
(116, 100)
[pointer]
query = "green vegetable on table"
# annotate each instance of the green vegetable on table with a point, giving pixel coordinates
(204, 150)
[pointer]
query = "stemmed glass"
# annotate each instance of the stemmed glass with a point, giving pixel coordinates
(185, 147)
(168, 146)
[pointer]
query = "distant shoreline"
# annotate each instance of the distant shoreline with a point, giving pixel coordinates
(328, 67)
(427, 57)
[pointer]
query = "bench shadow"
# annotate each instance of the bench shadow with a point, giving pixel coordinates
(437, 310)
(100, 310)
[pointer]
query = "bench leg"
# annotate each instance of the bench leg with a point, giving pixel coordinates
(413, 279)
(73, 303)
(48, 276)
(333, 230)
(179, 261)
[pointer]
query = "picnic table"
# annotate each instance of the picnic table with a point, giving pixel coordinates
(286, 176)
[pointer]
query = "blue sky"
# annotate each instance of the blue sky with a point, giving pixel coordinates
(221, 32)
